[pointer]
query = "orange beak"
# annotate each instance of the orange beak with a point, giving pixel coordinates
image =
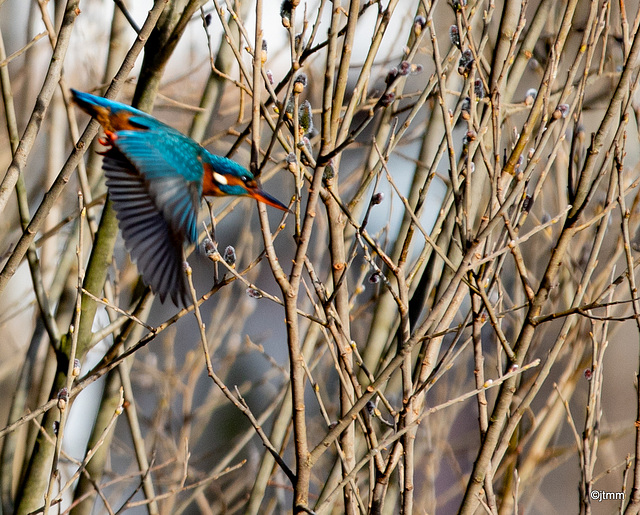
(262, 196)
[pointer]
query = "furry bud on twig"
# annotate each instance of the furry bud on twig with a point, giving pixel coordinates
(328, 173)
(230, 256)
(454, 36)
(465, 63)
(208, 247)
(419, 24)
(292, 162)
(300, 83)
(519, 163)
(253, 293)
(377, 198)
(458, 5)
(75, 371)
(63, 398)
(387, 99)
(405, 68)
(305, 118)
(391, 76)
(562, 111)
(286, 12)
(530, 96)
(466, 108)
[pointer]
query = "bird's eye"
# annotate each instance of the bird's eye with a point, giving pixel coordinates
(245, 178)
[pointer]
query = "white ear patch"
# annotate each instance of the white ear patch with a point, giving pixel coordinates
(221, 179)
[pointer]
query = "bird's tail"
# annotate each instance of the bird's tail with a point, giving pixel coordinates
(91, 104)
(113, 116)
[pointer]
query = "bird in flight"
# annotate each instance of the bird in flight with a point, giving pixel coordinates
(156, 177)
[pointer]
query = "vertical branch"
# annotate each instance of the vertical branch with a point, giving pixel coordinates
(331, 110)
(339, 269)
(634, 502)
(345, 64)
(63, 395)
(327, 91)
(479, 374)
(290, 289)
(258, 55)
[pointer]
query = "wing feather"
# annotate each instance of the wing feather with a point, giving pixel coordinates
(155, 244)
(172, 172)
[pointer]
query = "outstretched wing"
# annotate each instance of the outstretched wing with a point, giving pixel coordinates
(154, 242)
(169, 164)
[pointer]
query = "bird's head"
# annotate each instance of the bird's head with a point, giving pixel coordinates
(223, 177)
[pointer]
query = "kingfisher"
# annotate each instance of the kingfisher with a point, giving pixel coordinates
(156, 177)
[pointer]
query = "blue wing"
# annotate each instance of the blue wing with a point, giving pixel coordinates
(151, 239)
(172, 173)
